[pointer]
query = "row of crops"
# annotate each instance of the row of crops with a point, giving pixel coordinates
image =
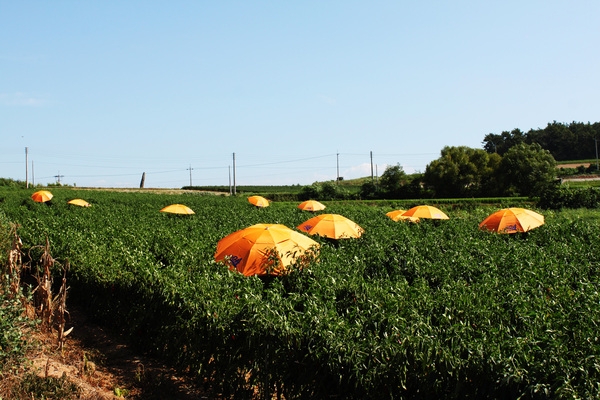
(427, 310)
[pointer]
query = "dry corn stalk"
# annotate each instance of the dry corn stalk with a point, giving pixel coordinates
(51, 310)
(15, 263)
(60, 302)
(43, 291)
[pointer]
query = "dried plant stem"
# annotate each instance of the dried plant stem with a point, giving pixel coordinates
(15, 263)
(43, 292)
(61, 309)
(51, 310)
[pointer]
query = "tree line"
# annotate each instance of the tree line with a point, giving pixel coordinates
(509, 164)
(574, 141)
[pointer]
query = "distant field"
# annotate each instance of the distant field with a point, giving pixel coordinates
(250, 189)
(575, 163)
(582, 183)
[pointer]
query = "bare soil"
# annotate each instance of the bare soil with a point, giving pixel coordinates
(103, 366)
(586, 165)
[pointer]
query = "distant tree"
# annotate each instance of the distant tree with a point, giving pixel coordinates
(461, 171)
(333, 191)
(556, 138)
(392, 180)
(414, 189)
(369, 190)
(527, 169)
(574, 141)
(329, 191)
(500, 144)
(309, 192)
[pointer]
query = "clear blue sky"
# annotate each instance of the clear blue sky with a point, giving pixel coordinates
(102, 91)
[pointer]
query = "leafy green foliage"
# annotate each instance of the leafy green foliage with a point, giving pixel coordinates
(12, 320)
(527, 169)
(12, 346)
(499, 144)
(463, 172)
(393, 178)
(428, 310)
(6, 182)
(557, 197)
(325, 191)
(524, 170)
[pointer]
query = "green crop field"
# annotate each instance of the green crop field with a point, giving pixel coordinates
(428, 310)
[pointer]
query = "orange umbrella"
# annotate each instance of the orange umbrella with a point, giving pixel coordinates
(425, 212)
(258, 201)
(177, 209)
(333, 226)
(265, 249)
(42, 196)
(311, 205)
(512, 220)
(79, 202)
(396, 215)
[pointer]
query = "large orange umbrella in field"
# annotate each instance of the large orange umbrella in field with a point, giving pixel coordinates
(396, 215)
(311, 205)
(79, 202)
(258, 201)
(263, 249)
(42, 196)
(512, 220)
(425, 212)
(333, 226)
(177, 209)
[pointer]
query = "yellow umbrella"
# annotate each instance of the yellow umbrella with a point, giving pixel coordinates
(177, 209)
(396, 215)
(512, 220)
(258, 201)
(425, 212)
(79, 202)
(263, 249)
(333, 226)
(42, 196)
(311, 205)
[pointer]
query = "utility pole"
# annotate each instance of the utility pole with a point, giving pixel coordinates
(26, 164)
(190, 168)
(338, 168)
(58, 177)
(229, 172)
(234, 188)
(371, 166)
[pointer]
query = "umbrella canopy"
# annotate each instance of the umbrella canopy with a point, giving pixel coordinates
(311, 205)
(512, 220)
(264, 249)
(396, 215)
(42, 196)
(425, 212)
(177, 209)
(79, 202)
(333, 226)
(258, 201)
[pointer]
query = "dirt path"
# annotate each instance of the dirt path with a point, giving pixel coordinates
(103, 365)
